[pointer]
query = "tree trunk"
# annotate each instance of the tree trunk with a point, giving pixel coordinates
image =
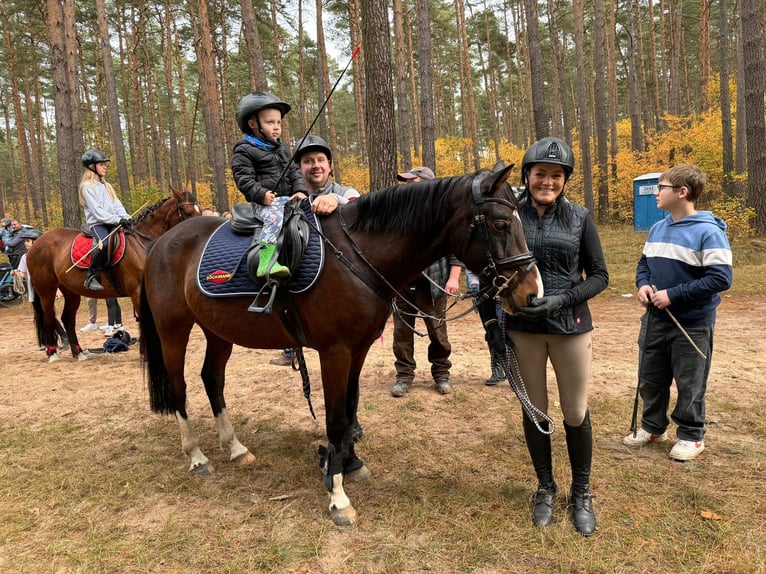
(414, 100)
(354, 15)
(427, 130)
(278, 67)
(656, 79)
(490, 85)
(612, 75)
(112, 103)
(379, 93)
(600, 115)
(258, 81)
(28, 180)
(211, 108)
(467, 107)
(752, 52)
(725, 100)
(563, 123)
(704, 51)
(634, 106)
(402, 106)
(65, 148)
(582, 104)
(537, 76)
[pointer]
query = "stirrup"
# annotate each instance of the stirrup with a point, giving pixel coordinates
(92, 283)
(266, 309)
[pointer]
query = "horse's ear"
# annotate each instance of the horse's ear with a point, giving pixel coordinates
(497, 178)
(498, 166)
(179, 195)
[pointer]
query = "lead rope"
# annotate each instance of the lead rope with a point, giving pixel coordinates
(519, 388)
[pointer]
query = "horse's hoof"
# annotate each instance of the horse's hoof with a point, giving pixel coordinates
(244, 459)
(204, 470)
(358, 475)
(53, 358)
(343, 517)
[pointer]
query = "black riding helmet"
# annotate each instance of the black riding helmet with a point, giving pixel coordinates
(255, 102)
(313, 143)
(92, 157)
(548, 150)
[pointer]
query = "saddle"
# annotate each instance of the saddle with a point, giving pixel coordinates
(115, 248)
(292, 241)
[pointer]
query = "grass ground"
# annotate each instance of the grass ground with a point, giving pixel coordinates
(92, 482)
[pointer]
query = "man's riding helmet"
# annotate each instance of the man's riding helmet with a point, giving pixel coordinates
(255, 102)
(92, 157)
(313, 143)
(31, 234)
(548, 150)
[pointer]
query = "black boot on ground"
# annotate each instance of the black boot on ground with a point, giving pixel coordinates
(498, 373)
(580, 448)
(539, 446)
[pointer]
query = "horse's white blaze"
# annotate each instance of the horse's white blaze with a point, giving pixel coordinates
(189, 444)
(338, 498)
(540, 289)
(226, 435)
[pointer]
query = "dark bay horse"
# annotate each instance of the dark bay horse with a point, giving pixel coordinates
(49, 262)
(379, 242)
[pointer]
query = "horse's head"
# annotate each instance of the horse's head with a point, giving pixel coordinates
(166, 213)
(495, 247)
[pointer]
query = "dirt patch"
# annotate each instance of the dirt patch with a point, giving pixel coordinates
(96, 390)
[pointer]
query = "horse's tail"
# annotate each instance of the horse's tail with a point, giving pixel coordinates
(39, 320)
(151, 353)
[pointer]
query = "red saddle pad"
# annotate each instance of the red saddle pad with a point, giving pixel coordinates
(82, 245)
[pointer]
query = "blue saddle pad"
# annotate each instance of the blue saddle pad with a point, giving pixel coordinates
(222, 269)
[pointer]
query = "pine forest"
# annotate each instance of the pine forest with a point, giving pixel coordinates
(635, 86)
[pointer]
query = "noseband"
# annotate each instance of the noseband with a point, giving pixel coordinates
(521, 264)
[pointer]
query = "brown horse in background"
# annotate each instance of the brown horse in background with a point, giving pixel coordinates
(49, 265)
(378, 244)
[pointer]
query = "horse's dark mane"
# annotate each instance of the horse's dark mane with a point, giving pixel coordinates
(149, 210)
(405, 207)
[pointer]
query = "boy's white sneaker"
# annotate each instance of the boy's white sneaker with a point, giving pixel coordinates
(89, 327)
(686, 449)
(642, 437)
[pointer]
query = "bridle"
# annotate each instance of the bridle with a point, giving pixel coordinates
(522, 264)
(179, 209)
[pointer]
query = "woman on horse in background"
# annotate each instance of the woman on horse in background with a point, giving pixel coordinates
(103, 211)
(557, 326)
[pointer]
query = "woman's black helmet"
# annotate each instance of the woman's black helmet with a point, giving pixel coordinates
(548, 150)
(313, 143)
(93, 156)
(255, 102)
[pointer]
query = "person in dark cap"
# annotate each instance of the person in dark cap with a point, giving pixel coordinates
(415, 174)
(429, 298)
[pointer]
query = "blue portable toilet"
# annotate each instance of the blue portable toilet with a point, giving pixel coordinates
(645, 210)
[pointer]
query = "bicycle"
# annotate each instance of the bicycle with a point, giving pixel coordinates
(11, 288)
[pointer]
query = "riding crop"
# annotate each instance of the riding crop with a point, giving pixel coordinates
(319, 113)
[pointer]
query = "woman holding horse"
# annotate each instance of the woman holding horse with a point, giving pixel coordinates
(103, 211)
(557, 326)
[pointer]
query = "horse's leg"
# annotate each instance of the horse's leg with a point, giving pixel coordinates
(354, 469)
(174, 345)
(69, 318)
(213, 375)
(336, 366)
(45, 318)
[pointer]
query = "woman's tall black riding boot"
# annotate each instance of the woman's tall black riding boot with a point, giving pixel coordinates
(580, 447)
(91, 279)
(539, 446)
